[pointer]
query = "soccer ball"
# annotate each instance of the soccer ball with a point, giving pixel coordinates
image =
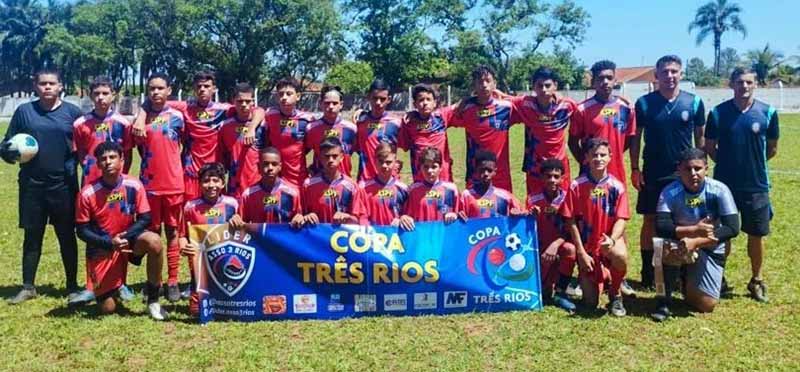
(513, 242)
(27, 146)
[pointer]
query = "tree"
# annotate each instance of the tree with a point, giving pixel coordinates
(569, 71)
(351, 76)
(764, 61)
(697, 72)
(729, 59)
(716, 18)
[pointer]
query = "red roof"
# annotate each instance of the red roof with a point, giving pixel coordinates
(645, 74)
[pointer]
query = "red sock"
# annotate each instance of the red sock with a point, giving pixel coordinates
(617, 276)
(173, 261)
(89, 284)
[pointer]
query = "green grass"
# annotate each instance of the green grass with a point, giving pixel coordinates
(741, 334)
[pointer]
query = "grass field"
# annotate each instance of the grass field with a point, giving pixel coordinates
(741, 334)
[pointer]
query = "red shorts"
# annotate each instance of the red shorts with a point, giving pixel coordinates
(165, 209)
(191, 188)
(108, 272)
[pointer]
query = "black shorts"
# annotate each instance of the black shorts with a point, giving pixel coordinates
(647, 200)
(756, 212)
(39, 205)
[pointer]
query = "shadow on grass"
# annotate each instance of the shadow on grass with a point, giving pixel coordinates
(47, 290)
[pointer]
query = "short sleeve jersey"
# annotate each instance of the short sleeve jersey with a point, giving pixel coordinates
(203, 212)
(596, 206)
(385, 201)
(668, 129)
(487, 128)
(287, 133)
(343, 130)
(371, 132)
(278, 205)
(91, 130)
(161, 172)
(614, 120)
(549, 222)
(239, 159)
(111, 208)
(545, 131)
(714, 200)
(742, 144)
(492, 203)
(325, 198)
(418, 133)
(430, 202)
(202, 124)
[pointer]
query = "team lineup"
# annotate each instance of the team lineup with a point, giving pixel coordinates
(204, 162)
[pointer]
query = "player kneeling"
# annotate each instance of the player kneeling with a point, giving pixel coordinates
(210, 208)
(112, 216)
(596, 210)
(431, 199)
(558, 255)
(701, 215)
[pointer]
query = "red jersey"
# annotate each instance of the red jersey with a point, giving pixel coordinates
(202, 212)
(371, 132)
(487, 129)
(325, 198)
(549, 222)
(200, 135)
(161, 172)
(112, 208)
(239, 159)
(278, 205)
(287, 134)
(545, 132)
(319, 130)
(385, 201)
(90, 130)
(613, 120)
(430, 202)
(494, 202)
(417, 133)
(595, 206)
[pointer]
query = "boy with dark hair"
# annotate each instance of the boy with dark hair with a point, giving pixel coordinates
(375, 126)
(331, 196)
(238, 157)
(112, 216)
(424, 127)
(484, 200)
(596, 209)
(386, 194)
(271, 200)
(286, 128)
(431, 199)
(330, 125)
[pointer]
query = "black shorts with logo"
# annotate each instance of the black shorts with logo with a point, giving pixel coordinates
(756, 211)
(42, 204)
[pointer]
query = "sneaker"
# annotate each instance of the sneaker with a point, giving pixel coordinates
(562, 302)
(574, 290)
(626, 289)
(186, 293)
(80, 298)
(661, 314)
(24, 295)
(173, 293)
(156, 311)
(617, 308)
(126, 294)
(758, 290)
(726, 290)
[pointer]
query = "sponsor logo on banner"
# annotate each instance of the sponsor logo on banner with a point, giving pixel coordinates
(304, 303)
(425, 301)
(335, 303)
(230, 265)
(365, 303)
(455, 299)
(274, 305)
(395, 302)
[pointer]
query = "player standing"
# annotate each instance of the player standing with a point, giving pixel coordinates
(238, 157)
(385, 194)
(286, 128)
(375, 126)
(330, 125)
(425, 127)
(271, 200)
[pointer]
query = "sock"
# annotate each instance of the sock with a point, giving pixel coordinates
(152, 292)
(617, 276)
(173, 262)
(647, 267)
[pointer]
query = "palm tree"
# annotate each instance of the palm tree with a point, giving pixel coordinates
(763, 61)
(715, 18)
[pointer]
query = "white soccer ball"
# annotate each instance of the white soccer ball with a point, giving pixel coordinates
(513, 242)
(27, 146)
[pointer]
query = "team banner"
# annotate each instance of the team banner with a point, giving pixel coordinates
(269, 272)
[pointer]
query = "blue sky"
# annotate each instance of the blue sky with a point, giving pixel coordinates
(636, 33)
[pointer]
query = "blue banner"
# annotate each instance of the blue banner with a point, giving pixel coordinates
(269, 272)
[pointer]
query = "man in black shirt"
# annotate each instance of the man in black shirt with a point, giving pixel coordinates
(47, 183)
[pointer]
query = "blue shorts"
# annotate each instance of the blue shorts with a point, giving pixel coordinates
(706, 273)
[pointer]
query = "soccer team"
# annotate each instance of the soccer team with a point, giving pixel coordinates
(205, 162)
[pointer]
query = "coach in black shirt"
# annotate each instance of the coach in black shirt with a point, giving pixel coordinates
(48, 183)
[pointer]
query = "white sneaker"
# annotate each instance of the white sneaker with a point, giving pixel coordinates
(574, 290)
(156, 312)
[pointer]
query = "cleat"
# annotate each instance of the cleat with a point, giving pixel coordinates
(726, 290)
(562, 302)
(156, 311)
(661, 314)
(758, 290)
(187, 293)
(617, 308)
(23, 295)
(80, 298)
(173, 293)
(126, 294)
(626, 289)
(574, 290)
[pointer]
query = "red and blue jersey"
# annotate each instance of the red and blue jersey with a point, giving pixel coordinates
(287, 134)
(278, 205)
(90, 130)
(493, 203)
(371, 132)
(202, 125)
(385, 201)
(614, 120)
(596, 206)
(417, 133)
(325, 198)
(203, 212)
(239, 159)
(545, 131)
(487, 129)
(319, 130)
(549, 222)
(112, 208)
(161, 172)
(430, 202)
